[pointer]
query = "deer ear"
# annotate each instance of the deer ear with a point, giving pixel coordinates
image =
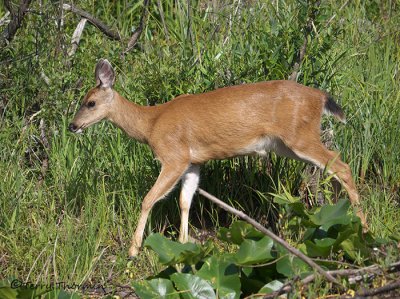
(104, 74)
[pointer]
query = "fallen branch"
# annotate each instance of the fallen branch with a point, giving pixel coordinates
(384, 289)
(353, 275)
(270, 234)
(96, 22)
(138, 31)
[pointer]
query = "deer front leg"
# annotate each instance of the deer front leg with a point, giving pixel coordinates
(190, 181)
(167, 179)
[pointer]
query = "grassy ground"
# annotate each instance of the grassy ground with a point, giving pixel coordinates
(75, 223)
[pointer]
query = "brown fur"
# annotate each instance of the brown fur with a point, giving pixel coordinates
(282, 116)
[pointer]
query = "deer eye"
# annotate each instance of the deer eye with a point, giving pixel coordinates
(91, 104)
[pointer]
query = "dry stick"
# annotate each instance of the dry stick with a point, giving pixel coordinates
(386, 288)
(4, 20)
(356, 274)
(270, 234)
(96, 22)
(17, 17)
(138, 31)
(76, 37)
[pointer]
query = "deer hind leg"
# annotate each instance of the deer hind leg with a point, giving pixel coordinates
(190, 182)
(167, 179)
(317, 154)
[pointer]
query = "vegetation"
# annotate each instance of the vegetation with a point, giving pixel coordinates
(69, 204)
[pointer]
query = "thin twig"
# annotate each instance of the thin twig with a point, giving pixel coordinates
(270, 234)
(138, 31)
(96, 22)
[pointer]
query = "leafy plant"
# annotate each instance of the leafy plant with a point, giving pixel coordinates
(257, 265)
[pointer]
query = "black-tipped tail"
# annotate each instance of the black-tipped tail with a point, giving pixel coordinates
(333, 108)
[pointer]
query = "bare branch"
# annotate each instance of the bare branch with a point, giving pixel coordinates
(76, 37)
(270, 234)
(354, 275)
(138, 31)
(4, 20)
(96, 22)
(15, 23)
(384, 289)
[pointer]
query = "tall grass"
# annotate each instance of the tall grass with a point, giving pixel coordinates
(76, 224)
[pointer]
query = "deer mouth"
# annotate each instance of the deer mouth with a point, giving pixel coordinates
(75, 129)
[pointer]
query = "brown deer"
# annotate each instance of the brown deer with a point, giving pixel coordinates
(280, 116)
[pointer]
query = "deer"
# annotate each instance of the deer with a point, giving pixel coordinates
(278, 116)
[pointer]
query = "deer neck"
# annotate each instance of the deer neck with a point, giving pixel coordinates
(137, 121)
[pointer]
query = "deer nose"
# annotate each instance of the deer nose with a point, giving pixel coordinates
(72, 127)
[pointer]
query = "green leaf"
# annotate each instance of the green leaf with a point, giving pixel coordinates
(292, 204)
(238, 232)
(155, 288)
(290, 266)
(223, 276)
(170, 252)
(320, 248)
(270, 287)
(8, 293)
(354, 247)
(254, 252)
(330, 215)
(193, 287)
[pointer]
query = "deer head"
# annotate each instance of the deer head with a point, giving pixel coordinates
(99, 101)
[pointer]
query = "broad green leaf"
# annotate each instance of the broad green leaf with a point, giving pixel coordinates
(238, 232)
(155, 288)
(193, 287)
(223, 276)
(353, 246)
(320, 248)
(8, 293)
(170, 252)
(309, 233)
(250, 285)
(34, 291)
(254, 252)
(270, 287)
(290, 266)
(330, 215)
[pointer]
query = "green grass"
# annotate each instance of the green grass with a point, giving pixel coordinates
(76, 224)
